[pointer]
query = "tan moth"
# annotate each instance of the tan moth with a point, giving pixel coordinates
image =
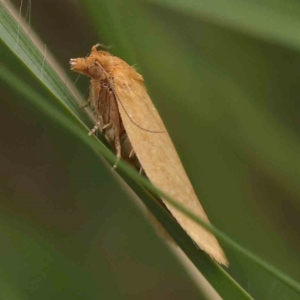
(128, 118)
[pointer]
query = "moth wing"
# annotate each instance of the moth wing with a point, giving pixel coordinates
(159, 158)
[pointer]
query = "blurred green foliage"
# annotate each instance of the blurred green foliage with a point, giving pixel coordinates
(224, 79)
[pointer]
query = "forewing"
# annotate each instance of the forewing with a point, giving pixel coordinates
(159, 158)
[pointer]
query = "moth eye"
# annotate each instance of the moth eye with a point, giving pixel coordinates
(95, 71)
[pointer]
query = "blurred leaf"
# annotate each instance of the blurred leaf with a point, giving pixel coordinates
(261, 19)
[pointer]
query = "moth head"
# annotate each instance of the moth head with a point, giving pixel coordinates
(87, 66)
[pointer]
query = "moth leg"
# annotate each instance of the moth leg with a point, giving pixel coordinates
(141, 170)
(85, 104)
(93, 96)
(106, 126)
(131, 153)
(116, 124)
(118, 151)
(94, 129)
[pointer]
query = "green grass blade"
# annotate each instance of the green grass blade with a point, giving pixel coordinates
(31, 52)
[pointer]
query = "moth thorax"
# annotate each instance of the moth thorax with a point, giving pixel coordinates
(95, 71)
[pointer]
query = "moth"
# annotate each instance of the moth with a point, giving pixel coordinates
(129, 120)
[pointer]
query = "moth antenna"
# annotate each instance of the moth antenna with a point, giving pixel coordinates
(94, 48)
(132, 121)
